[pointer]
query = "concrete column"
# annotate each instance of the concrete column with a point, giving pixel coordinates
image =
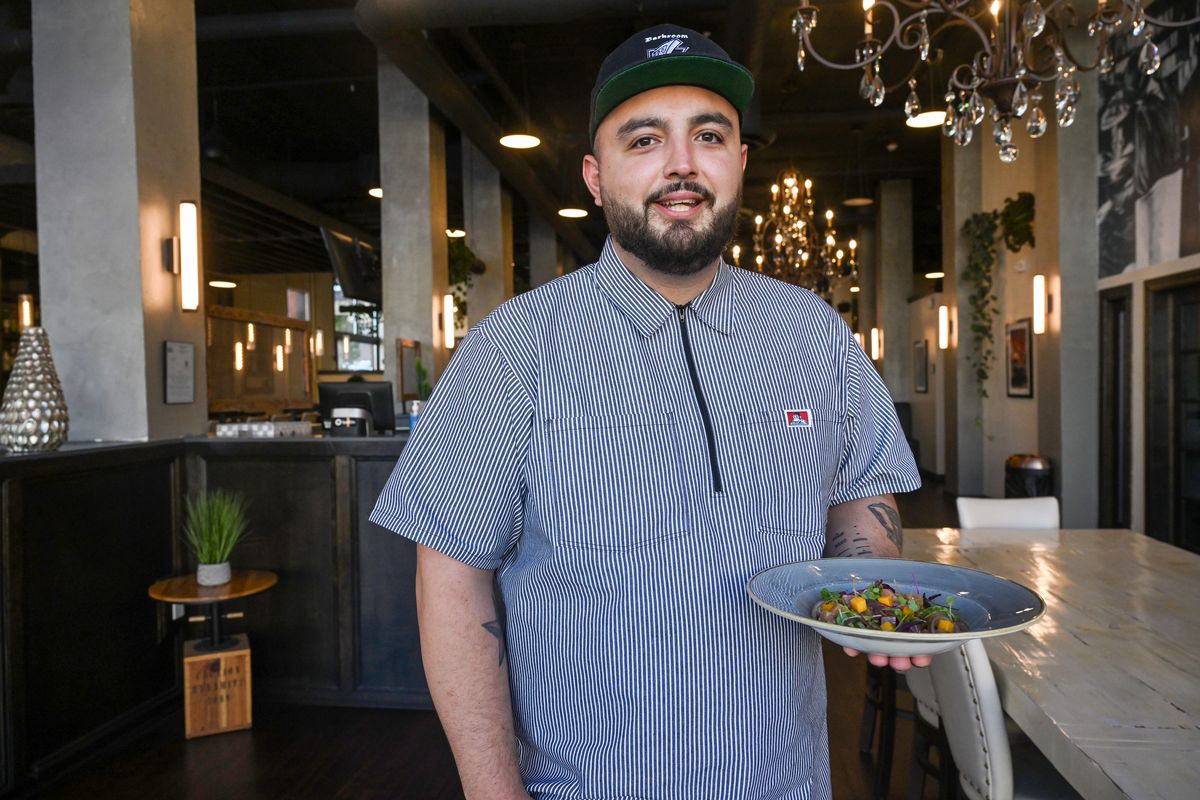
(484, 217)
(1071, 434)
(962, 196)
(894, 284)
(412, 171)
(868, 268)
(543, 252)
(117, 149)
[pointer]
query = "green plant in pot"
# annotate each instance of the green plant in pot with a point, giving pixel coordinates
(215, 523)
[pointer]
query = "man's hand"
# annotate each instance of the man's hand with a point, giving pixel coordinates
(898, 663)
(869, 527)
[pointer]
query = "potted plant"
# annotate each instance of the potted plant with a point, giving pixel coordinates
(215, 522)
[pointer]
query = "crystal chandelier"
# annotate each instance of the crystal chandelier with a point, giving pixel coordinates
(1023, 53)
(789, 246)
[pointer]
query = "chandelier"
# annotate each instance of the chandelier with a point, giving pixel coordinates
(789, 246)
(1023, 52)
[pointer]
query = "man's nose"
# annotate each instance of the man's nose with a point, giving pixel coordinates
(680, 164)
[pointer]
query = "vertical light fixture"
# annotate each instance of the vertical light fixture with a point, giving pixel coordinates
(25, 310)
(249, 335)
(287, 340)
(189, 256)
(876, 344)
(238, 357)
(943, 327)
(1039, 303)
(346, 346)
(448, 320)
(858, 337)
(319, 349)
(279, 358)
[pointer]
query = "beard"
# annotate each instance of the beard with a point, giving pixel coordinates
(680, 248)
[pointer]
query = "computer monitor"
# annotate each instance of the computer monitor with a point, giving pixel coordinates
(375, 397)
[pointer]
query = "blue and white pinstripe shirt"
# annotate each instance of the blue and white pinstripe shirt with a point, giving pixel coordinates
(585, 473)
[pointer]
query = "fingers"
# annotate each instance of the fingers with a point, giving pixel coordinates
(922, 661)
(850, 651)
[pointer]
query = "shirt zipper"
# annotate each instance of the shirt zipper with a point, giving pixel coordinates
(708, 428)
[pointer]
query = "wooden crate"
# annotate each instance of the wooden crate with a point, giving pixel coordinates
(216, 689)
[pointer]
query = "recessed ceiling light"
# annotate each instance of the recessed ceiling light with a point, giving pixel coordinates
(520, 141)
(926, 119)
(222, 284)
(572, 213)
(858, 202)
(375, 191)
(892, 146)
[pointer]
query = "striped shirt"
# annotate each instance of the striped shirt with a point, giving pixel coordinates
(625, 466)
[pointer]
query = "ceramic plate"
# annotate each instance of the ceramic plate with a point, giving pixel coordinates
(989, 605)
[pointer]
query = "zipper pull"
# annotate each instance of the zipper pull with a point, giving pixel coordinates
(682, 310)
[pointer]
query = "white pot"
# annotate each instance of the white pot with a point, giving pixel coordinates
(213, 574)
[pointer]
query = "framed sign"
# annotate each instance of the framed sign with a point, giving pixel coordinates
(179, 372)
(921, 366)
(1019, 339)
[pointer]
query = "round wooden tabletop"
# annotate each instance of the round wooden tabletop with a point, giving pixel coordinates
(184, 589)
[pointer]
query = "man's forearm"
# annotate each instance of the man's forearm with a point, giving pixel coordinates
(866, 527)
(462, 645)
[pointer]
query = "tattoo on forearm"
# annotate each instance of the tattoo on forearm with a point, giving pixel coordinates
(889, 518)
(495, 628)
(840, 545)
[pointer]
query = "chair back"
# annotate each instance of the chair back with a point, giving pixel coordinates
(974, 721)
(920, 685)
(1017, 512)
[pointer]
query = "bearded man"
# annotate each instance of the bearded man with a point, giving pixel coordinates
(628, 445)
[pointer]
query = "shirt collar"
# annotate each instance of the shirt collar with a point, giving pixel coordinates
(647, 310)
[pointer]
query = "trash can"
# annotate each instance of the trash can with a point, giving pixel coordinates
(1027, 475)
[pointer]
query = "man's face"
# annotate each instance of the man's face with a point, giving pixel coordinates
(667, 171)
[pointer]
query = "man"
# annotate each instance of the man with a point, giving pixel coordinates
(617, 453)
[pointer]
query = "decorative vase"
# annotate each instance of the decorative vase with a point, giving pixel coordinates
(33, 413)
(213, 574)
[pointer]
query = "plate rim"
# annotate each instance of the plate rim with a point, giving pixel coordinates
(896, 636)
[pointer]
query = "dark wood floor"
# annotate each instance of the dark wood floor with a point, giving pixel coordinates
(300, 752)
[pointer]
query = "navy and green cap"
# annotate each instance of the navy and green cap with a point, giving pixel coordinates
(667, 55)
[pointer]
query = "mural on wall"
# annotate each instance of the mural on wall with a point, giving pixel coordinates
(1150, 148)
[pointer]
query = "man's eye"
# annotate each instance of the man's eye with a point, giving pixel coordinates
(643, 141)
(711, 137)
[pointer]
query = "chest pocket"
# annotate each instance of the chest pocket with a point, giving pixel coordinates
(616, 482)
(792, 469)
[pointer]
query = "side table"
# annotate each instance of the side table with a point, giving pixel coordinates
(216, 670)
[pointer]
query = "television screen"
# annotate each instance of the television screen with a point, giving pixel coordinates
(356, 266)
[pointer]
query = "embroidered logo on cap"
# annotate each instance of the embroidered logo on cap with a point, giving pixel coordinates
(667, 47)
(798, 418)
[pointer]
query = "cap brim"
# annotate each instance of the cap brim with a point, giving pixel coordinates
(728, 79)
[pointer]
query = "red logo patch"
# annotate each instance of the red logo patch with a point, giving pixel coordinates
(798, 418)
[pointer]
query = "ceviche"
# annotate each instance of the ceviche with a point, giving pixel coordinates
(879, 607)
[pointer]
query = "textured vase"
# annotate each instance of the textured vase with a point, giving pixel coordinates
(33, 414)
(213, 574)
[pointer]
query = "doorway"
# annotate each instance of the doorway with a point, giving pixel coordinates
(1116, 463)
(1173, 411)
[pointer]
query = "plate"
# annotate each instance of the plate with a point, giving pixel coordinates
(988, 604)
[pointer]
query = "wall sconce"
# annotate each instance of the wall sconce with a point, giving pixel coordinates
(943, 327)
(319, 347)
(287, 340)
(858, 337)
(279, 358)
(876, 344)
(238, 358)
(448, 320)
(25, 311)
(1039, 303)
(189, 256)
(249, 335)
(346, 346)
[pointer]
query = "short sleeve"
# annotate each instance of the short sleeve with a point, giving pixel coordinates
(876, 458)
(458, 486)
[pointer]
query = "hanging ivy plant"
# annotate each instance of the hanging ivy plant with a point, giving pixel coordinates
(464, 265)
(1017, 221)
(980, 233)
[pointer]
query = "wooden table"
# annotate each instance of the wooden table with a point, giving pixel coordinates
(1107, 683)
(184, 589)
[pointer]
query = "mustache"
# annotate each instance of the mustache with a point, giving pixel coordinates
(682, 186)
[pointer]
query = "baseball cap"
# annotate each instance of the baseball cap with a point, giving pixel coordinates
(667, 55)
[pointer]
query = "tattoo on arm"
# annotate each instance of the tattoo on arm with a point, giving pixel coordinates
(495, 628)
(840, 545)
(889, 518)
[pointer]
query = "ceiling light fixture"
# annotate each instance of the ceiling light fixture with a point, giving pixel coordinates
(1023, 48)
(455, 233)
(933, 276)
(376, 192)
(520, 141)
(571, 212)
(222, 284)
(520, 136)
(856, 194)
(926, 119)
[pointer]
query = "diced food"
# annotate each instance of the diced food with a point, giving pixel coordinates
(879, 607)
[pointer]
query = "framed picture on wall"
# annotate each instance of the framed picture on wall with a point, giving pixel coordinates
(921, 366)
(1019, 340)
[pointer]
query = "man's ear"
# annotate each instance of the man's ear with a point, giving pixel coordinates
(591, 177)
(745, 152)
